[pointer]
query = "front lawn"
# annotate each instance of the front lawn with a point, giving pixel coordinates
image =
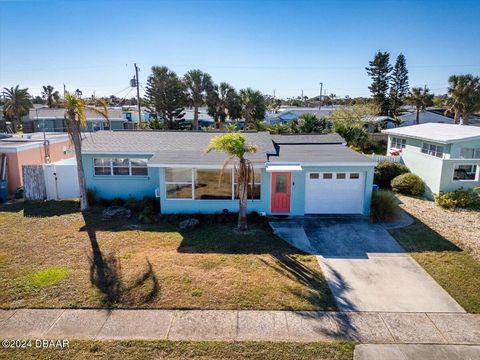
(454, 269)
(188, 350)
(53, 256)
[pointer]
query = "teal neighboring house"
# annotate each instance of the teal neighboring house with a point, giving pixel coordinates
(445, 156)
(293, 174)
(52, 120)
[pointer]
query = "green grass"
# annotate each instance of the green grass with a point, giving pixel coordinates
(86, 350)
(455, 270)
(48, 277)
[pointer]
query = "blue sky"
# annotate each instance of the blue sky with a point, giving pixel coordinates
(283, 45)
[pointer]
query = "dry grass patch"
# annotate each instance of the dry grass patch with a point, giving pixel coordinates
(127, 265)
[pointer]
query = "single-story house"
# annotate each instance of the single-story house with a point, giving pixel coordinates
(293, 174)
(429, 115)
(52, 120)
(445, 156)
(32, 149)
(285, 115)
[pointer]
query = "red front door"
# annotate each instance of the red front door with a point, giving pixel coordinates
(281, 190)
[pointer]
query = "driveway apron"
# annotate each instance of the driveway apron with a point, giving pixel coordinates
(366, 269)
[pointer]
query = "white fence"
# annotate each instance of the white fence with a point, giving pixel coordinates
(385, 157)
(61, 180)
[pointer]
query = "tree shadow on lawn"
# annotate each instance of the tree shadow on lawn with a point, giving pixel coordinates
(106, 276)
(43, 208)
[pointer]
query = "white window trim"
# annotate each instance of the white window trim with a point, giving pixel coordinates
(436, 150)
(477, 172)
(120, 176)
(476, 152)
(395, 140)
(192, 184)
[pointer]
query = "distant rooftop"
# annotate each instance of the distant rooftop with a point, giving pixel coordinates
(47, 113)
(438, 132)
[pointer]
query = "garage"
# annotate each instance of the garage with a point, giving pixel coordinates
(334, 192)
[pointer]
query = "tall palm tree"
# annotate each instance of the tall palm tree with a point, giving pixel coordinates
(17, 104)
(75, 121)
(223, 101)
(50, 96)
(420, 98)
(198, 85)
(253, 105)
(464, 97)
(236, 147)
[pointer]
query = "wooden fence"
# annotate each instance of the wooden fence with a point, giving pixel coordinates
(34, 182)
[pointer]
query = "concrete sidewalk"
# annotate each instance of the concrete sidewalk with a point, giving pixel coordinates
(416, 352)
(239, 325)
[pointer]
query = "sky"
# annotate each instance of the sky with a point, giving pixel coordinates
(281, 46)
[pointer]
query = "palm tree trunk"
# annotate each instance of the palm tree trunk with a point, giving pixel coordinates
(242, 195)
(195, 118)
(417, 119)
(77, 143)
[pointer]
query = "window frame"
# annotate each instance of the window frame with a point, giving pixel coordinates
(475, 154)
(395, 141)
(427, 150)
(111, 166)
(477, 172)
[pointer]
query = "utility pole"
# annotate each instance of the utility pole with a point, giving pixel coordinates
(274, 93)
(138, 94)
(320, 98)
(64, 91)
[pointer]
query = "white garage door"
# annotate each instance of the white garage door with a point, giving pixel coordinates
(334, 192)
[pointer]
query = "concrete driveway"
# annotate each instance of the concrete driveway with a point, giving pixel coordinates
(366, 269)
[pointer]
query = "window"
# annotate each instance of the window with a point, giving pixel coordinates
(120, 167)
(314, 176)
(213, 185)
(327, 175)
(254, 187)
(465, 173)
(470, 153)
(398, 143)
(178, 183)
(102, 167)
(433, 150)
(341, 176)
(354, 176)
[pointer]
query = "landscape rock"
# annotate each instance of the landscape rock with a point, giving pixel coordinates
(116, 212)
(189, 224)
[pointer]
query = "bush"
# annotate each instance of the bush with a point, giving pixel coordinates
(91, 196)
(386, 171)
(408, 184)
(384, 206)
(459, 199)
(148, 215)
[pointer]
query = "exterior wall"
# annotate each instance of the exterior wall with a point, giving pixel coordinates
(110, 187)
(297, 202)
(187, 206)
(33, 156)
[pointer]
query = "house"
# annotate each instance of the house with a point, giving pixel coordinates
(429, 115)
(52, 120)
(32, 149)
(286, 115)
(293, 174)
(445, 156)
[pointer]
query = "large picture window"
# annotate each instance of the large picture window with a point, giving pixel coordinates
(470, 153)
(465, 172)
(207, 184)
(120, 167)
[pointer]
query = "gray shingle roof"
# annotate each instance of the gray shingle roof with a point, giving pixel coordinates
(319, 154)
(308, 139)
(188, 147)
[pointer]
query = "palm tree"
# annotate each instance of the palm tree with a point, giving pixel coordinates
(75, 121)
(17, 104)
(50, 96)
(198, 85)
(421, 98)
(253, 105)
(234, 144)
(223, 101)
(464, 97)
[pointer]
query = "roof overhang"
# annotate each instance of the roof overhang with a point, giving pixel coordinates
(272, 167)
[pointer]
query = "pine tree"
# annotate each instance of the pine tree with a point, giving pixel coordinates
(379, 70)
(398, 84)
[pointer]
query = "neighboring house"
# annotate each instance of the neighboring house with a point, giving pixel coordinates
(130, 113)
(286, 115)
(445, 156)
(52, 120)
(430, 115)
(32, 149)
(293, 174)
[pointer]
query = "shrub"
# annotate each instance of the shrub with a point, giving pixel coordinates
(148, 215)
(118, 202)
(384, 206)
(459, 199)
(386, 171)
(91, 196)
(408, 184)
